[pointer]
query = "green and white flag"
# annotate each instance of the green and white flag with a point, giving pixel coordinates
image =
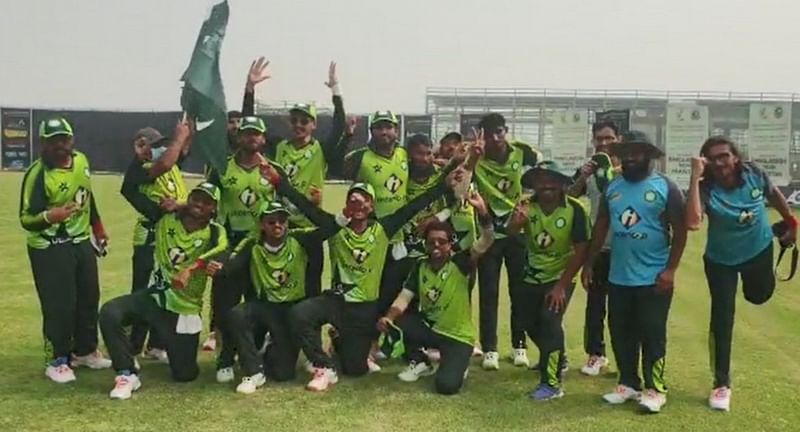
(203, 97)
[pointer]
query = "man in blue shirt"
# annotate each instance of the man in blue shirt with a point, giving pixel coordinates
(639, 210)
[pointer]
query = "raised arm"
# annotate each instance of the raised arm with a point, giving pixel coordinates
(334, 154)
(325, 222)
(395, 221)
(255, 75)
(694, 203)
(134, 177)
(174, 152)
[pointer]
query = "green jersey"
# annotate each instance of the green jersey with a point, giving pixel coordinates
(551, 238)
(176, 249)
(464, 222)
(388, 176)
(444, 296)
(414, 244)
(243, 190)
(167, 185)
(45, 187)
(500, 182)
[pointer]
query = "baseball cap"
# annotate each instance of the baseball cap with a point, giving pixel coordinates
(383, 116)
(272, 207)
(55, 126)
(252, 123)
(208, 189)
(149, 135)
(309, 110)
(362, 187)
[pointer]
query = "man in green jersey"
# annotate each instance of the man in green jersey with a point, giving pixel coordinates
(304, 158)
(242, 191)
(59, 213)
(155, 176)
(441, 282)
(186, 242)
(276, 261)
(358, 252)
(556, 229)
(497, 177)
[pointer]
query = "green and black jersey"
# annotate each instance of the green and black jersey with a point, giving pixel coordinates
(45, 187)
(414, 244)
(136, 185)
(243, 190)
(550, 239)
(500, 183)
(357, 258)
(444, 296)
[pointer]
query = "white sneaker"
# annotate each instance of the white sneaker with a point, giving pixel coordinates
(491, 361)
(250, 384)
(415, 371)
(620, 395)
(61, 374)
(211, 343)
(225, 375)
(594, 365)
(323, 379)
(372, 365)
(720, 399)
(652, 401)
(94, 360)
(520, 357)
(124, 385)
(158, 355)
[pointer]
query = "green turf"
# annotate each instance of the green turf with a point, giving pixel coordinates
(766, 368)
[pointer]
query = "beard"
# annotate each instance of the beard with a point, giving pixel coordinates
(635, 171)
(424, 171)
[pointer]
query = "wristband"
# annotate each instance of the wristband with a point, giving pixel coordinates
(200, 264)
(791, 222)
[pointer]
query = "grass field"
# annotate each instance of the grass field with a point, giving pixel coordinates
(766, 367)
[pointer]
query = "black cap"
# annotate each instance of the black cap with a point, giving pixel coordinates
(638, 138)
(492, 121)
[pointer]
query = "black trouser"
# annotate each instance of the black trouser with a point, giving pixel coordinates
(512, 251)
(65, 276)
(392, 279)
(758, 284)
(596, 298)
(314, 265)
(455, 355)
(141, 308)
(142, 267)
(544, 328)
(258, 317)
(637, 318)
(226, 292)
(355, 325)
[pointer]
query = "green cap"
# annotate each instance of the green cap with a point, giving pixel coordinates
(381, 116)
(55, 126)
(252, 123)
(272, 207)
(309, 110)
(208, 189)
(548, 167)
(363, 187)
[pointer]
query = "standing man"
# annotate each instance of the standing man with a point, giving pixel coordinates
(304, 158)
(592, 180)
(643, 211)
(186, 243)
(58, 210)
(155, 176)
(242, 191)
(498, 177)
(556, 230)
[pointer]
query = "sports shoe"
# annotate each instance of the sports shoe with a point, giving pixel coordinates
(593, 365)
(210, 345)
(520, 357)
(323, 379)
(59, 371)
(652, 401)
(434, 355)
(415, 371)
(250, 384)
(93, 360)
(620, 395)
(545, 392)
(373, 366)
(157, 354)
(225, 375)
(491, 361)
(124, 385)
(720, 399)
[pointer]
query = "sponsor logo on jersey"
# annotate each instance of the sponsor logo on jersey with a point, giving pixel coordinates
(292, 169)
(504, 184)
(176, 256)
(248, 197)
(433, 295)
(544, 239)
(81, 196)
(360, 255)
(629, 218)
(393, 184)
(280, 276)
(746, 217)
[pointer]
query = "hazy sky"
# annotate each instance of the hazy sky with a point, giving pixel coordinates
(126, 54)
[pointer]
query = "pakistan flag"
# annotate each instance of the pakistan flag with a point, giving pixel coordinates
(203, 97)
